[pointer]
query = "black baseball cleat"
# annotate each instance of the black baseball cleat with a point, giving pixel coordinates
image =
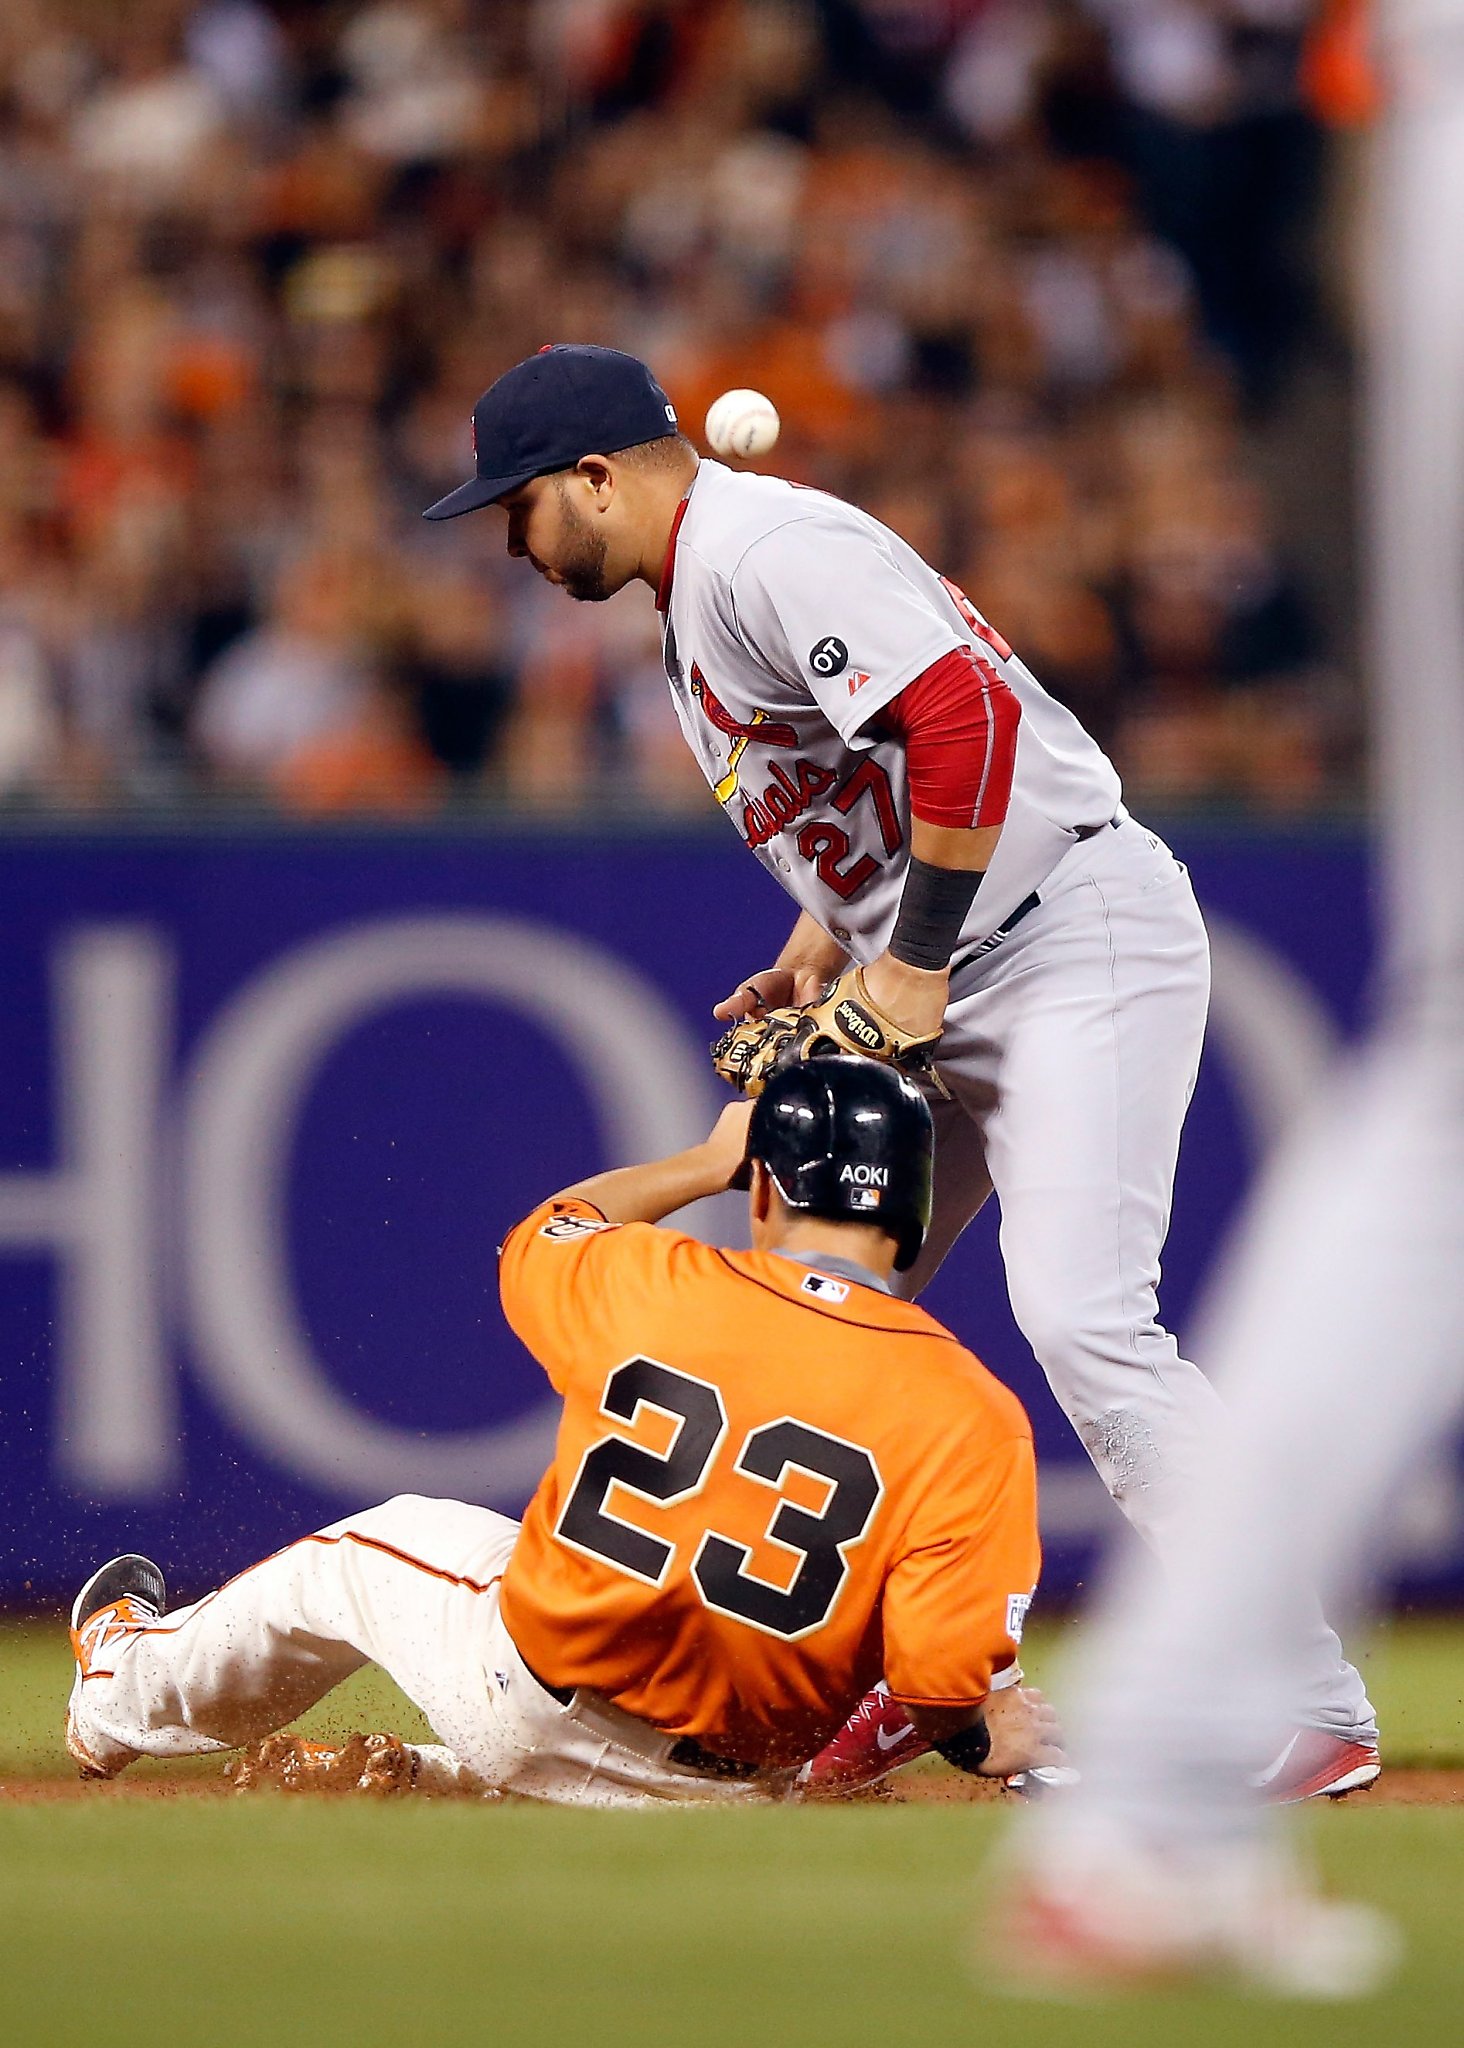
(120, 1600)
(132, 1578)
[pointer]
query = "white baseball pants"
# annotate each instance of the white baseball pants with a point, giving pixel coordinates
(1071, 1052)
(411, 1585)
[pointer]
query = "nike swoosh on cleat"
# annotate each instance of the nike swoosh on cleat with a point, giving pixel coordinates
(1274, 1770)
(889, 1741)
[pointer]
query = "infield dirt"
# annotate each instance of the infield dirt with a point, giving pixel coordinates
(1410, 1786)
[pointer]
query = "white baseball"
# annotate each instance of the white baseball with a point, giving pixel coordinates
(743, 423)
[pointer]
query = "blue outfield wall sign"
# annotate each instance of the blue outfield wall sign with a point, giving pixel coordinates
(268, 1104)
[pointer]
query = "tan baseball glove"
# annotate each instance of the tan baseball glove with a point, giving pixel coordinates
(843, 1020)
(378, 1765)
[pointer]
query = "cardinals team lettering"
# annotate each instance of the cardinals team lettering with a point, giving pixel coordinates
(794, 789)
(785, 798)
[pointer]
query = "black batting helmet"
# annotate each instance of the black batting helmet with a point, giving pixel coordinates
(851, 1140)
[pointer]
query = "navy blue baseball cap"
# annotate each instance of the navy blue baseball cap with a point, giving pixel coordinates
(567, 401)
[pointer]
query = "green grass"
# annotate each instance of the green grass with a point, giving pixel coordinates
(272, 1922)
(1415, 1674)
(224, 1923)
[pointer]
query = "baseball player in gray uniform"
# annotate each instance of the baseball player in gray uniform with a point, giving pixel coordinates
(967, 875)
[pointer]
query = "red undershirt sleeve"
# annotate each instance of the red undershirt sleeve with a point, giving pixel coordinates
(958, 721)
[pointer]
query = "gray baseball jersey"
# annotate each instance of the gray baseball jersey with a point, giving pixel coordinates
(790, 620)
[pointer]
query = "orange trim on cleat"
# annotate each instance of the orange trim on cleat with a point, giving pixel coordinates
(122, 1619)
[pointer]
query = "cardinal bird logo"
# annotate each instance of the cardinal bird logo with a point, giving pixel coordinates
(767, 732)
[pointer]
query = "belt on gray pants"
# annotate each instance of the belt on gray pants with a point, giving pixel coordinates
(994, 939)
(1028, 904)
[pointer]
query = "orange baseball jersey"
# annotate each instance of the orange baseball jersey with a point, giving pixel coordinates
(771, 1486)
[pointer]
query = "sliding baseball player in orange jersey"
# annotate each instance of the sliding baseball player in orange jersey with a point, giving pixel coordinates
(774, 1482)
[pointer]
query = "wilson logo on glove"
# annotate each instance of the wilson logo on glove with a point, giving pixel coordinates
(860, 1026)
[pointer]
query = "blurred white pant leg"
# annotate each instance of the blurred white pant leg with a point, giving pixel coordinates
(1416, 504)
(1350, 1264)
(1339, 1345)
(410, 1585)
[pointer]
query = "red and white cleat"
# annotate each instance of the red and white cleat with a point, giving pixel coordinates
(1081, 1926)
(877, 1738)
(1317, 1765)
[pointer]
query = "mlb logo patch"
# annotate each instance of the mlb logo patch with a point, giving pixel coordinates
(823, 1288)
(864, 1198)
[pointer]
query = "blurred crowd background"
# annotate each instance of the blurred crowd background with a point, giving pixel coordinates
(1057, 288)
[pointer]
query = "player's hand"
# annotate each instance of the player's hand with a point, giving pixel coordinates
(845, 1020)
(773, 988)
(726, 1146)
(912, 997)
(1024, 1732)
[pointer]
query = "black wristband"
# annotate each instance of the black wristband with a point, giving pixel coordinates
(968, 1750)
(933, 909)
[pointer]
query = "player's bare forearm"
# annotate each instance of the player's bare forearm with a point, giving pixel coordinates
(915, 998)
(1022, 1725)
(811, 950)
(808, 962)
(644, 1194)
(912, 997)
